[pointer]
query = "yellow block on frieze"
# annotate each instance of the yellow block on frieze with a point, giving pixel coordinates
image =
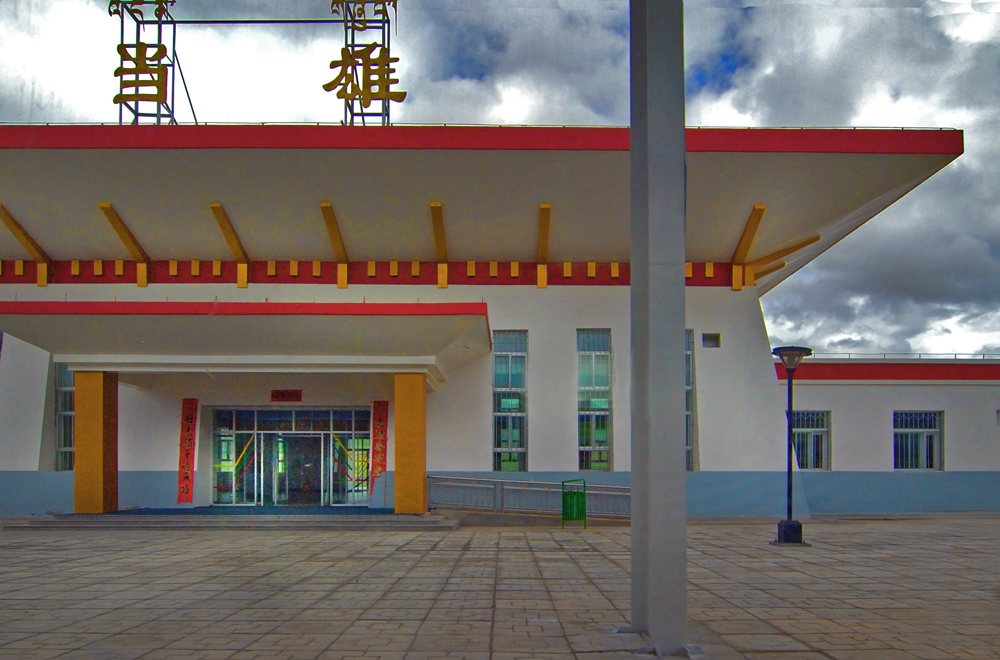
(293, 268)
(591, 269)
(567, 269)
(74, 267)
(688, 269)
(515, 269)
(19, 267)
(341, 276)
(172, 268)
(242, 276)
(195, 268)
(415, 268)
(543, 276)
(614, 270)
(709, 269)
(494, 267)
(470, 268)
(442, 276)
(371, 269)
(141, 274)
(749, 276)
(119, 267)
(272, 268)
(98, 267)
(42, 273)
(217, 268)
(393, 269)
(737, 278)
(317, 268)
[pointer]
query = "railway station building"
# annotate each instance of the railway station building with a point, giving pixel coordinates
(324, 315)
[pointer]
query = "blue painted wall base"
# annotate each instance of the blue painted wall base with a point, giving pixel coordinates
(709, 494)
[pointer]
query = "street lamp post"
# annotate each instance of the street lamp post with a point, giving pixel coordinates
(789, 530)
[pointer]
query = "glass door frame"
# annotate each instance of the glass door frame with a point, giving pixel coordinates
(354, 453)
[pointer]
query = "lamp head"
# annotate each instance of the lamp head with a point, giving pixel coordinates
(791, 355)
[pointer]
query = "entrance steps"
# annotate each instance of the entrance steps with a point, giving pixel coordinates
(285, 523)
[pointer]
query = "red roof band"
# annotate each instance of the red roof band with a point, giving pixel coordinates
(514, 138)
(926, 370)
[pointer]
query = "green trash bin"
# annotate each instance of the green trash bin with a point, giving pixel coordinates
(574, 501)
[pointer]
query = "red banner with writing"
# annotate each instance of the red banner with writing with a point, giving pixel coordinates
(185, 468)
(380, 437)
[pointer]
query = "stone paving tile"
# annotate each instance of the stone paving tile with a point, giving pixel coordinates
(867, 590)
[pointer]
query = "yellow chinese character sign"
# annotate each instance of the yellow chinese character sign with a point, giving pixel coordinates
(355, 12)
(364, 75)
(146, 70)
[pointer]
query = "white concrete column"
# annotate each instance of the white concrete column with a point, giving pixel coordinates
(659, 562)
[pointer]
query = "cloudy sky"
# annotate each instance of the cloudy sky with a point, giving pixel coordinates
(923, 276)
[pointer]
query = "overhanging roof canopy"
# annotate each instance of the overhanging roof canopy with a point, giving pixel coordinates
(434, 338)
(490, 181)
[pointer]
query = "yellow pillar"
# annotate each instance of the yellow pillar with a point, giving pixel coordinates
(411, 443)
(95, 442)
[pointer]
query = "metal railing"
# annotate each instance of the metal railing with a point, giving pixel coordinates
(502, 496)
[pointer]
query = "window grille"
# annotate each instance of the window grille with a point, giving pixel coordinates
(811, 439)
(510, 401)
(65, 406)
(594, 406)
(689, 400)
(917, 440)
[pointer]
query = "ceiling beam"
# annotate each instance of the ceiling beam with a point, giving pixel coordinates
(544, 217)
(773, 268)
(440, 242)
(24, 238)
(333, 229)
(229, 232)
(759, 264)
(749, 233)
(128, 239)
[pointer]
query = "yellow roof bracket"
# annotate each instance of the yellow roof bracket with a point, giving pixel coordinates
(749, 233)
(440, 242)
(229, 232)
(333, 229)
(544, 218)
(125, 234)
(758, 264)
(24, 238)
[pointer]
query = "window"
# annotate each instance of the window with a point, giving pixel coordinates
(689, 393)
(510, 401)
(711, 340)
(811, 439)
(917, 440)
(64, 417)
(593, 353)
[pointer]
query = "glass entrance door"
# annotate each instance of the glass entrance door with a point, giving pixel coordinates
(294, 473)
(289, 458)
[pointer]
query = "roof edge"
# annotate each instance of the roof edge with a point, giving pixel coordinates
(484, 138)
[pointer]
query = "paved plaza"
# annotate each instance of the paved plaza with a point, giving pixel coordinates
(892, 590)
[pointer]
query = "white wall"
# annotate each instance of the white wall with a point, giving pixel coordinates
(861, 420)
(740, 411)
(24, 384)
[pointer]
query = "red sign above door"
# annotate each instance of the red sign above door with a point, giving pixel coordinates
(286, 396)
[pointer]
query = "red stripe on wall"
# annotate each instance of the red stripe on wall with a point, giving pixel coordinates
(805, 140)
(891, 371)
(104, 308)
